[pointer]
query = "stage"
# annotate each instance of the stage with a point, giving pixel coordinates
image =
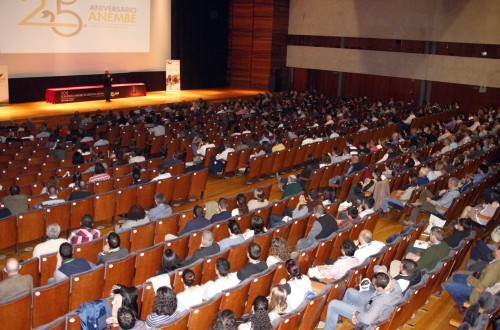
(39, 110)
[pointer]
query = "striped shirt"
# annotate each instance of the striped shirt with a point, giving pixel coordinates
(83, 235)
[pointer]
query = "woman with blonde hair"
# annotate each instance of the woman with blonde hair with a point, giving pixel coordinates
(277, 302)
(211, 208)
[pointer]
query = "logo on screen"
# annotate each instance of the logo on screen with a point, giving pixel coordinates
(63, 22)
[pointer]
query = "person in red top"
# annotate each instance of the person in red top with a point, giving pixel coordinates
(86, 233)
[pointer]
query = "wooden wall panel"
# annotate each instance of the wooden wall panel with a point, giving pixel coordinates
(257, 41)
(299, 79)
(467, 96)
(380, 87)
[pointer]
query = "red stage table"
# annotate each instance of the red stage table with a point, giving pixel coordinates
(93, 93)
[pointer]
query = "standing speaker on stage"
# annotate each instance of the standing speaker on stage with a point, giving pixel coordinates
(107, 85)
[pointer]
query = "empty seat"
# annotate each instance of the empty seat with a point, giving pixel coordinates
(50, 302)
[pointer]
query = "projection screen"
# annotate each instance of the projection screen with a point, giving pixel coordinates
(71, 37)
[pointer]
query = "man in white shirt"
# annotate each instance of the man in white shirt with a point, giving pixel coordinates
(53, 199)
(204, 146)
(367, 246)
(225, 279)
(163, 174)
(158, 130)
(137, 158)
(367, 206)
(52, 244)
(223, 155)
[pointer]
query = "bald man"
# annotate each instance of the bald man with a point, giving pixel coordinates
(367, 246)
(15, 283)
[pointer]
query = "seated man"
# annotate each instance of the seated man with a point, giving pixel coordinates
(53, 242)
(81, 193)
(86, 233)
(112, 250)
(367, 246)
(408, 275)
(429, 258)
(207, 248)
(399, 198)
(366, 207)
(17, 203)
(223, 214)
(53, 199)
(163, 174)
(463, 287)
(323, 226)
(343, 264)
(161, 210)
(438, 207)
(378, 308)
(198, 223)
(291, 187)
(255, 265)
(224, 280)
(15, 283)
(67, 265)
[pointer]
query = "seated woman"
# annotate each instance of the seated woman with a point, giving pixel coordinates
(482, 213)
(136, 217)
(277, 302)
(235, 236)
(259, 200)
(257, 227)
(169, 262)
(123, 296)
(259, 318)
(164, 307)
(278, 252)
(192, 294)
(298, 287)
(242, 207)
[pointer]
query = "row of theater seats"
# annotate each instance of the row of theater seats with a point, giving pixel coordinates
(304, 317)
(31, 226)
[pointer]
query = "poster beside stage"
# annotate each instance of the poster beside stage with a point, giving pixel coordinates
(173, 75)
(4, 85)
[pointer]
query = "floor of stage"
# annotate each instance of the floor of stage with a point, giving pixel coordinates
(39, 110)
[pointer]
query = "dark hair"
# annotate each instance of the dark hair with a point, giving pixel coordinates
(260, 303)
(381, 280)
(241, 202)
(254, 251)
(136, 176)
(87, 221)
(99, 168)
(257, 225)
(234, 227)
(313, 194)
(409, 266)
(293, 269)
(129, 297)
(465, 223)
(223, 266)
(159, 198)
(136, 212)
(170, 261)
(349, 247)
(165, 302)
(369, 202)
(113, 240)
(14, 190)
(198, 211)
(77, 159)
(352, 211)
(484, 168)
(188, 277)
(126, 318)
(66, 250)
(225, 320)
